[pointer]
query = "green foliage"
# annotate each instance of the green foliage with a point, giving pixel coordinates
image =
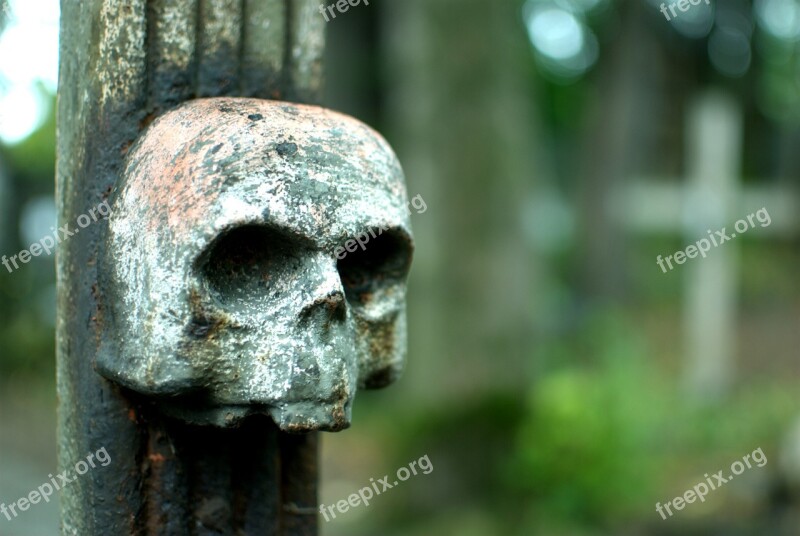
(607, 432)
(34, 158)
(587, 445)
(603, 432)
(27, 340)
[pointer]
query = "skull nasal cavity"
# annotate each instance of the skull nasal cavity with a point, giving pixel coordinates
(329, 307)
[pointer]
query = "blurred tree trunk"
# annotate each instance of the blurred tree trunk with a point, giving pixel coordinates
(634, 126)
(460, 116)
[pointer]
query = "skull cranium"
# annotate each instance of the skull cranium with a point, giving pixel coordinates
(224, 291)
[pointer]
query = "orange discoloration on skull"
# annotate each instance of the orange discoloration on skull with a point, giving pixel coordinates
(175, 168)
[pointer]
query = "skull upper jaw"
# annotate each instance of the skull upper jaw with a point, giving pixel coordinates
(299, 417)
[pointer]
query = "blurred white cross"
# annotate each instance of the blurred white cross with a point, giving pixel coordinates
(710, 198)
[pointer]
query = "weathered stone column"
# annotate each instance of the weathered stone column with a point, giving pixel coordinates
(123, 63)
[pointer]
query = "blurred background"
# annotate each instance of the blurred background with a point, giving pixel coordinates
(558, 380)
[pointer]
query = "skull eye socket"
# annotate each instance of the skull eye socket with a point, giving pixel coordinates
(247, 261)
(382, 263)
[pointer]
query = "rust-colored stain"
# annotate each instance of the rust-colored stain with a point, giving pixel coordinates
(159, 166)
(123, 151)
(147, 120)
(97, 319)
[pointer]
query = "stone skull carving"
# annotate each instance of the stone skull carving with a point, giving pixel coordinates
(227, 293)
